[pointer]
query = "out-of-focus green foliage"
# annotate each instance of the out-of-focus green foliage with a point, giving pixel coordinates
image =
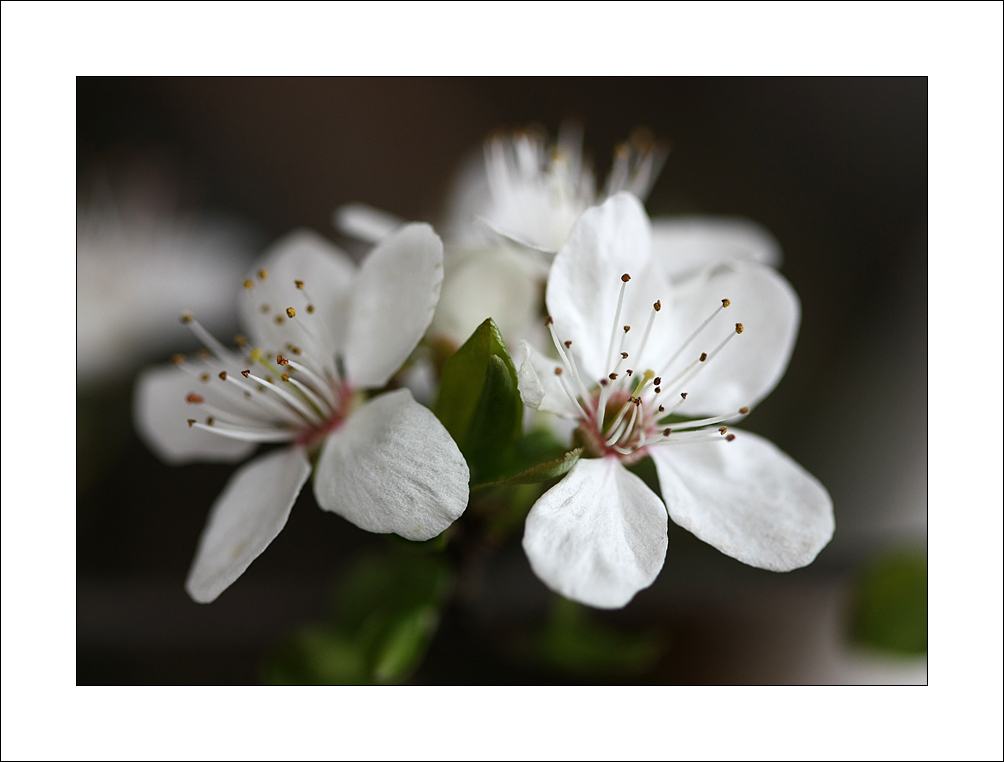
(479, 403)
(387, 612)
(890, 604)
(573, 642)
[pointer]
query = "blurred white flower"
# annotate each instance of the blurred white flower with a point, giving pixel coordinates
(140, 263)
(634, 350)
(512, 208)
(531, 193)
(323, 330)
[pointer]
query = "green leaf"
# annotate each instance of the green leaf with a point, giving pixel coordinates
(318, 656)
(386, 615)
(479, 403)
(889, 609)
(404, 644)
(573, 642)
(541, 472)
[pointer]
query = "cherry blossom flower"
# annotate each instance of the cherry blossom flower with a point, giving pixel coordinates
(634, 351)
(321, 331)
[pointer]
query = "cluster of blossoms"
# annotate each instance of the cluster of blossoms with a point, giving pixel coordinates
(663, 335)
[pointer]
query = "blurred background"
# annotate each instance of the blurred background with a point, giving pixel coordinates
(182, 181)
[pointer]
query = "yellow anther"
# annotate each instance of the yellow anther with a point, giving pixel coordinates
(557, 371)
(279, 319)
(186, 317)
(743, 410)
(310, 308)
(240, 340)
(178, 359)
(725, 303)
(290, 312)
(246, 374)
(730, 437)
(248, 284)
(284, 377)
(723, 430)
(262, 274)
(739, 328)
(299, 283)
(204, 377)
(223, 375)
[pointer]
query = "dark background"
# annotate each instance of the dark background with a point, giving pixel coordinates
(836, 169)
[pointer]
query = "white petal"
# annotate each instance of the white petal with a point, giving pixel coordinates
(748, 499)
(161, 415)
(327, 273)
(393, 301)
(752, 363)
(540, 388)
(392, 467)
(683, 245)
(499, 284)
(245, 518)
(606, 242)
(365, 223)
(598, 536)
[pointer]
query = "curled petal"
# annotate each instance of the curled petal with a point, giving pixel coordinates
(365, 223)
(539, 386)
(748, 499)
(270, 287)
(598, 536)
(392, 303)
(684, 245)
(392, 467)
(245, 518)
(161, 415)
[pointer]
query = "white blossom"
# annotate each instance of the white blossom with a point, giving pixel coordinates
(633, 350)
(321, 331)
